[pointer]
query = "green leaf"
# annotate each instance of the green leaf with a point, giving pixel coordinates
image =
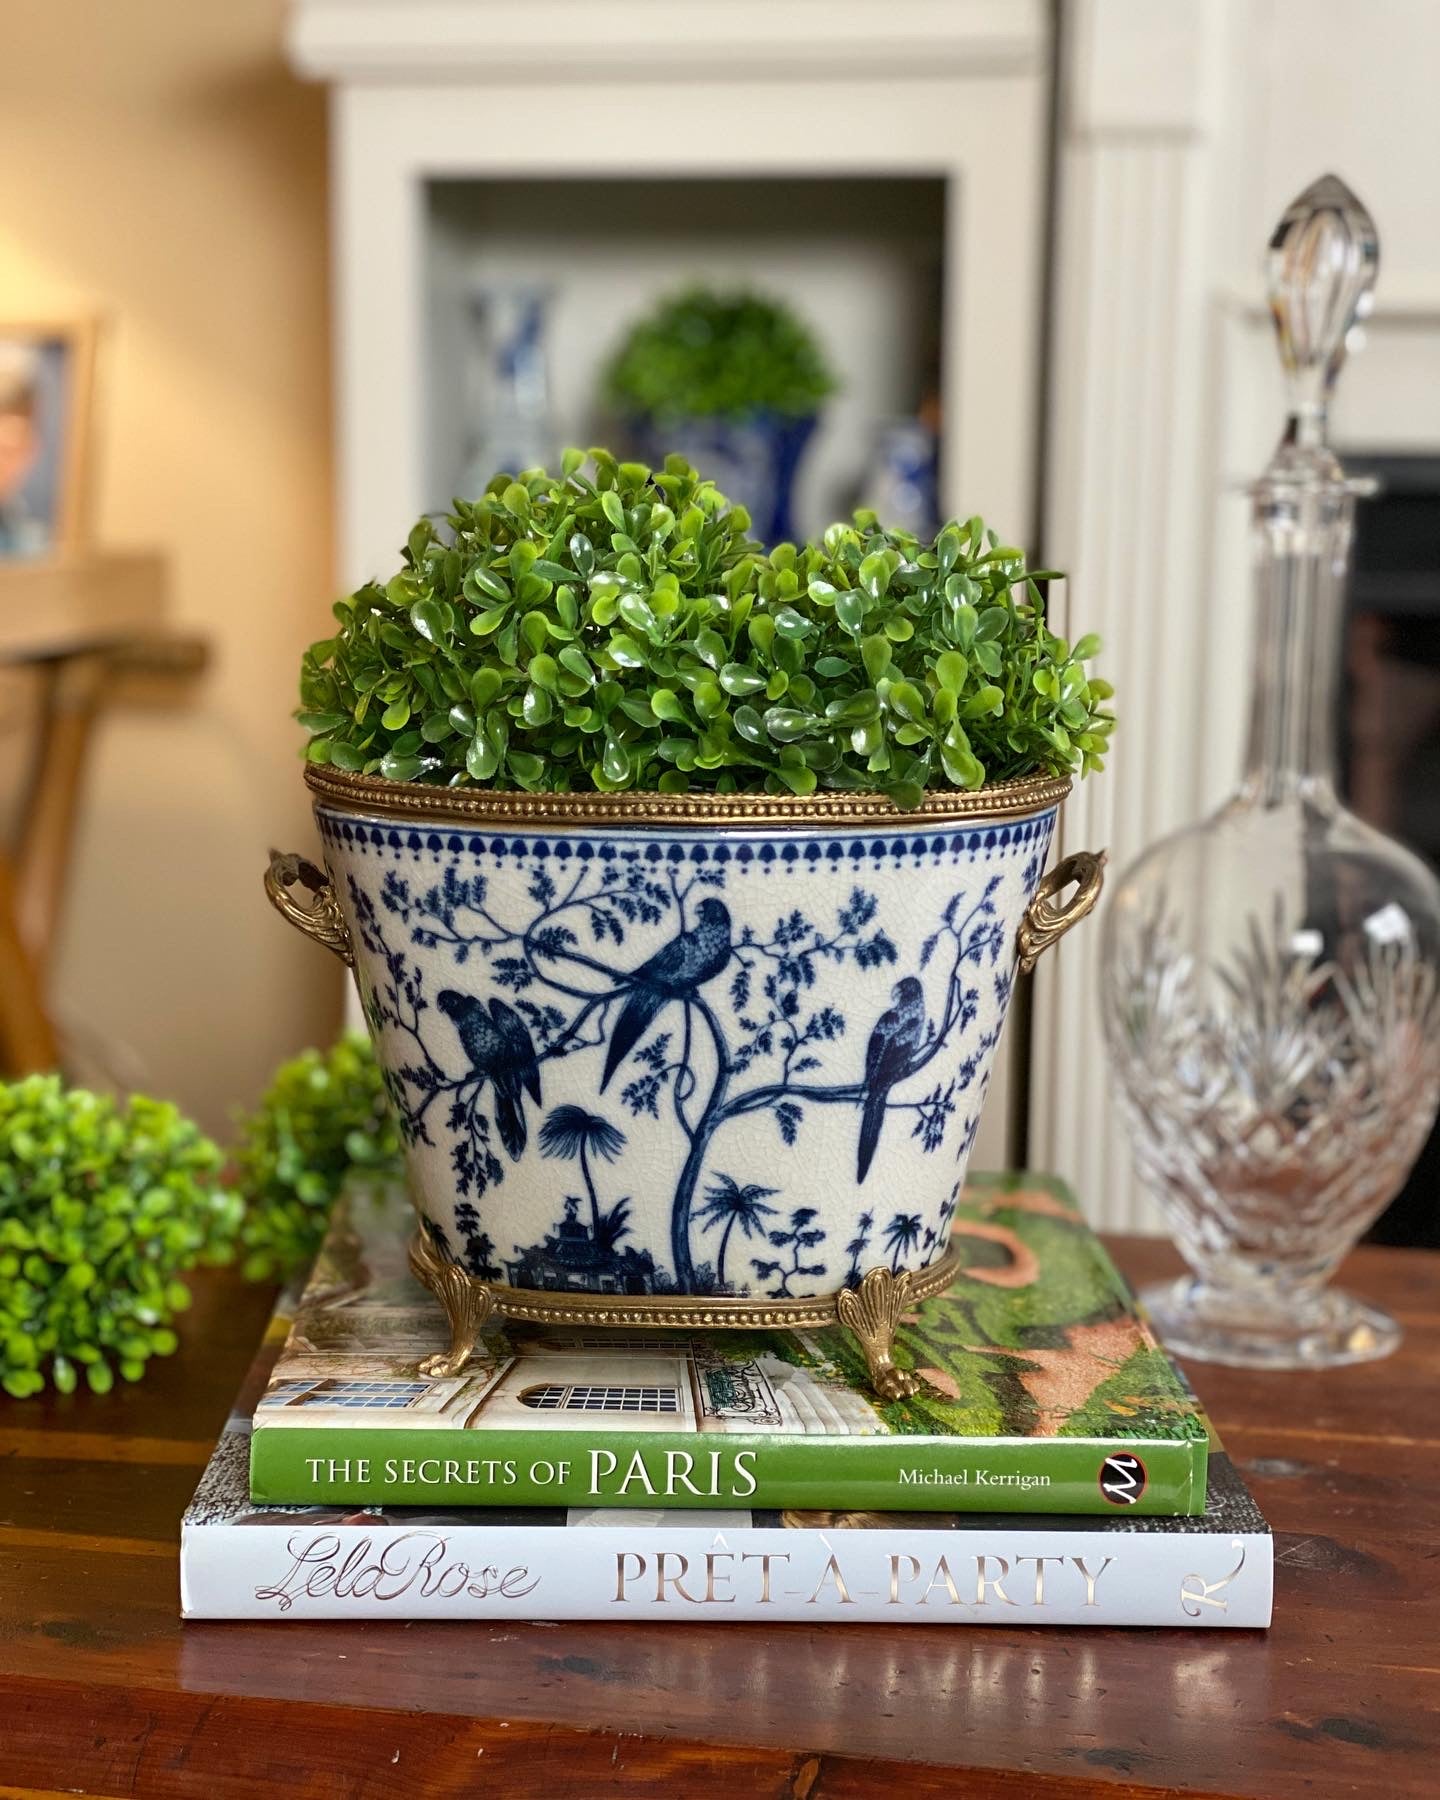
(800, 779)
(576, 663)
(485, 684)
(536, 708)
(786, 725)
(626, 652)
(637, 615)
(614, 762)
(735, 678)
(428, 618)
(665, 704)
(907, 700)
(481, 759)
(850, 611)
(483, 583)
(875, 575)
(749, 724)
(875, 653)
(396, 715)
(527, 769)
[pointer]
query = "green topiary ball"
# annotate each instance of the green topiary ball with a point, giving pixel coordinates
(324, 1115)
(103, 1206)
(705, 354)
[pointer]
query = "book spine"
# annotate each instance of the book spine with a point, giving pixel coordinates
(307, 1569)
(438, 1467)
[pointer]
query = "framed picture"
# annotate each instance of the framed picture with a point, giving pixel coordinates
(45, 382)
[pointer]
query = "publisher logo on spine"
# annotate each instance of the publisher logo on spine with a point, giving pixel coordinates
(1122, 1478)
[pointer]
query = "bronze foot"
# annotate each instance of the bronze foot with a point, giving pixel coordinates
(468, 1304)
(870, 1313)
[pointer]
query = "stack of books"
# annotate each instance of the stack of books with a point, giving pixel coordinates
(1053, 1468)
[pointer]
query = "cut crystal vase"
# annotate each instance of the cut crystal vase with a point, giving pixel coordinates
(1270, 975)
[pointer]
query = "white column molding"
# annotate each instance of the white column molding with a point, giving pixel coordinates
(1127, 513)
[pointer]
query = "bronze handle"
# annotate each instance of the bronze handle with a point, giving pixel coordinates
(322, 918)
(1045, 921)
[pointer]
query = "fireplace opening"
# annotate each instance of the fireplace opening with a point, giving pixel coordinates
(1390, 716)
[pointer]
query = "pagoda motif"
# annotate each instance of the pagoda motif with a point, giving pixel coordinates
(570, 1260)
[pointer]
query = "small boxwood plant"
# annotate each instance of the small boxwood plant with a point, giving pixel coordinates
(103, 1206)
(613, 628)
(323, 1117)
(703, 354)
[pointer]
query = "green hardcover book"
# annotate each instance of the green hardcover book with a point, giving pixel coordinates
(1043, 1392)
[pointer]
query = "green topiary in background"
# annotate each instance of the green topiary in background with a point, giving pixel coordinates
(323, 1115)
(703, 354)
(103, 1206)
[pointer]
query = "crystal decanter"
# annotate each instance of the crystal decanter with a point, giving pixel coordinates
(1270, 989)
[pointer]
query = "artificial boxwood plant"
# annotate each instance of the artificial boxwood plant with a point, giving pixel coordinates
(106, 1204)
(323, 1116)
(618, 629)
(703, 354)
(103, 1206)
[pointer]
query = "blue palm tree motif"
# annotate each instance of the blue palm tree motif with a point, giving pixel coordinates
(743, 1206)
(572, 1133)
(720, 1025)
(902, 1234)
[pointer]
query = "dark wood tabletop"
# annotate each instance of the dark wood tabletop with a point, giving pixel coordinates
(104, 1692)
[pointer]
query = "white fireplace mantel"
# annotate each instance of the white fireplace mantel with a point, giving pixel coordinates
(777, 40)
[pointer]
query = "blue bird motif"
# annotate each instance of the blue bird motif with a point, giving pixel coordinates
(889, 1057)
(502, 1052)
(676, 972)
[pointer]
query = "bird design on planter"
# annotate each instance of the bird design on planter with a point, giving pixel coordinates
(704, 1062)
(501, 1051)
(889, 1056)
(676, 972)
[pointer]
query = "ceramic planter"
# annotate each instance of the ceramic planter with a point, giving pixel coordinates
(700, 1059)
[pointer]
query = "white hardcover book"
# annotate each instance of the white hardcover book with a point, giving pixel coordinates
(238, 1561)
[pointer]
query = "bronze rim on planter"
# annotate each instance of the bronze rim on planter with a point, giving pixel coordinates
(369, 794)
(872, 1309)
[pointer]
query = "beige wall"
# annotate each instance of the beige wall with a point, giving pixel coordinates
(159, 167)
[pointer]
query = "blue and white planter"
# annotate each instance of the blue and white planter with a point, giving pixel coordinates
(730, 1047)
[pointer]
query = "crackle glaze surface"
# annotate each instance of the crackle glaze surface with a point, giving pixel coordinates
(659, 1060)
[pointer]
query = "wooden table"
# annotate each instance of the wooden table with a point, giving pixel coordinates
(102, 1691)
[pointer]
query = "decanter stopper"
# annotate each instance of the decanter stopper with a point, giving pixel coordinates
(1323, 259)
